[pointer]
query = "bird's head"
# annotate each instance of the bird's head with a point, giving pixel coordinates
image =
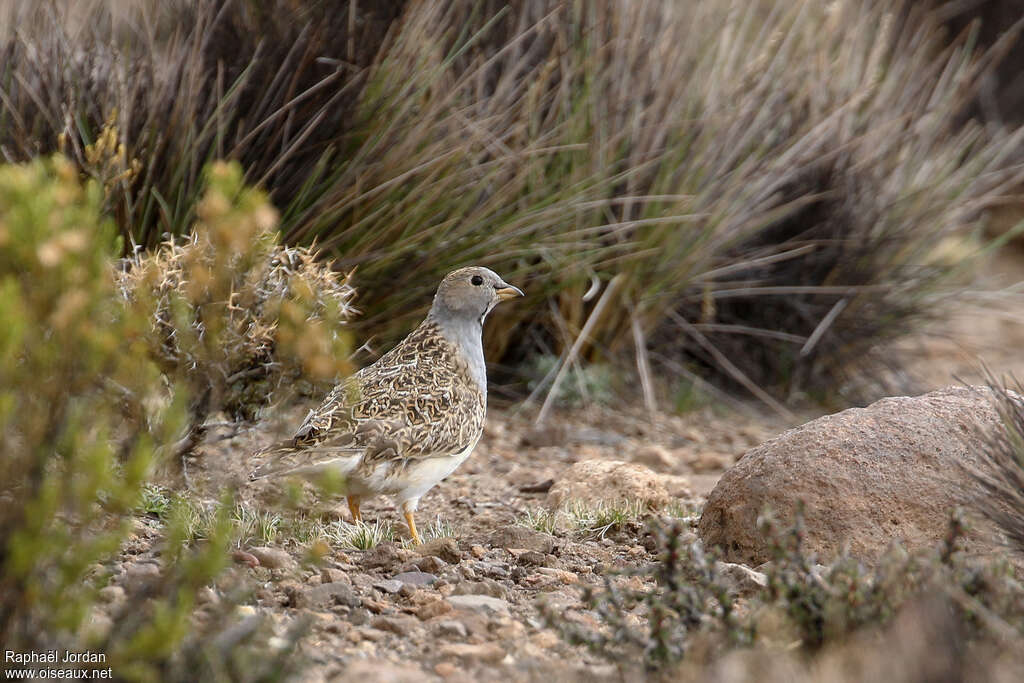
(470, 293)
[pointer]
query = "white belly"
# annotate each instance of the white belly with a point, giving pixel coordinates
(406, 482)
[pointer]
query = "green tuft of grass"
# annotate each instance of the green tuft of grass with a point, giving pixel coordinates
(539, 519)
(360, 535)
(585, 520)
(438, 528)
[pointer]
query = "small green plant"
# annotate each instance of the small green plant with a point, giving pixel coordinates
(585, 519)
(596, 521)
(439, 528)
(539, 519)
(591, 383)
(155, 501)
(259, 526)
(357, 536)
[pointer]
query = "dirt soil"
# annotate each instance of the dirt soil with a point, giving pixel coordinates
(468, 607)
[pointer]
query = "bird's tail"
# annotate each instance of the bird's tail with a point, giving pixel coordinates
(287, 458)
(273, 459)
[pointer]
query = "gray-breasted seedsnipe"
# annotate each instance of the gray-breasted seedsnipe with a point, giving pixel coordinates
(403, 424)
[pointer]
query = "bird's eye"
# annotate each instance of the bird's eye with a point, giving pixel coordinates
(477, 280)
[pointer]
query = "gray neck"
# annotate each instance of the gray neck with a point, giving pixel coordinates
(467, 335)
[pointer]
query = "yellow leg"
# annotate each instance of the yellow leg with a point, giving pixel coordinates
(353, 507)
(412, 527)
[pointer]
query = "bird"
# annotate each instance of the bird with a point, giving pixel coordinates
(401, 425)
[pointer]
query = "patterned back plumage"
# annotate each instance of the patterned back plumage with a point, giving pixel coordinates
(418, 400)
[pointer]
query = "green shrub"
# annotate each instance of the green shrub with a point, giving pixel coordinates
(81, 417)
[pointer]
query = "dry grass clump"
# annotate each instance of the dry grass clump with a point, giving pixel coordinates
(267, 83)
(233, 311)
(1000, 475)
(759, 193)
(751, 193)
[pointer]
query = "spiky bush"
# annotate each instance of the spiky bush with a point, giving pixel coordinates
(79, 434)
(233, 312)
(755, 194)
(688, 600)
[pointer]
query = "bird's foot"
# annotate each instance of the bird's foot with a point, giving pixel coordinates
(353, 507)
(411, 521)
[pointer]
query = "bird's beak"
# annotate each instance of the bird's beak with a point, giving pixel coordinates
(508, 292)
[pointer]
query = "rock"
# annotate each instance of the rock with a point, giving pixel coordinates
(431, 564)
(743, 580)
(138, 576)
(711, 462)
(388, 586)
(332, 575)
(658, 458)
(495, 569)
(326, 595)
(378, 671)
(559, 574)
(521, 537)
(483, 587)
(433, 609)
(450, 627)
(483, 604)
(242, 557)
(401, 624)
(445, 548)
(445, 669)
(272, 558)
(532, 557)
(596, 482)
(866, 476)
(383, 555)
(546, 639)
(112, 594)
(373, 635)
(487, 653)
(415, 578)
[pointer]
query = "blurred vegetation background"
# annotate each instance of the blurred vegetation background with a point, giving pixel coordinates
(780, 187)
(749, 198)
